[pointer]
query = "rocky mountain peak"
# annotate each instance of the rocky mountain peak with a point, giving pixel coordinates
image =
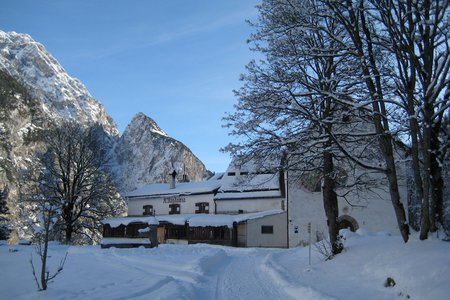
(143, 154)
(36, 92)
(62, 96)
(144, 123)
(146, 154)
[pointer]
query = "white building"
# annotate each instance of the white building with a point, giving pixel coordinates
(245, 211)
(369, 209)
(174, 198)
(246, 208)
(244, 190)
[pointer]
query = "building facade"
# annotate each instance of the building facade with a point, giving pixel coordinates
(243, 211)
(184, 198)
(369, 208)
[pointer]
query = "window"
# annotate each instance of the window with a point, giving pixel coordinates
(231, 173)
(202, 208)
(200, 234)
(148, 210)
(174, 209)
(175, 231)
(266, 229)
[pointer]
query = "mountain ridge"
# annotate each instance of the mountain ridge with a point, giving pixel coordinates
(62, 97)
(143, 135)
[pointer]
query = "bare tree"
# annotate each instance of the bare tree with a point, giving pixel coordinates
(355, 17)
(417, 34)
(298, 101)
(75, 180)
(47, 216)
(381, 62)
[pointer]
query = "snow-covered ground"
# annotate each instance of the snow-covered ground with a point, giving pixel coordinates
(421, 270)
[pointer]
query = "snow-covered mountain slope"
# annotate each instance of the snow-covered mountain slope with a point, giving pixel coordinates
(146, 154)
(21, 122)
(36, 92)
(62, 96)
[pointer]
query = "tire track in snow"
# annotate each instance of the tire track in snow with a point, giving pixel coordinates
(294, 290)
(158, 268)
(186, 280)
(165, 279)
(245, 278)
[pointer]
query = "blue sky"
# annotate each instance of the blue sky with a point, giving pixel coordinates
(176, 61)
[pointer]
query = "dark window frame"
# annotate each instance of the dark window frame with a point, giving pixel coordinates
(148, 210)
(202, 208)
(266, 229)
(174, 209)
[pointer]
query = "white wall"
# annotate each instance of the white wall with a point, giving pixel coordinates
(279, 237)
(135, 206)
(248, 205)
(377, 213)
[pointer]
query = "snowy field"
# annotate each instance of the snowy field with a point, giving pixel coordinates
(421, 270)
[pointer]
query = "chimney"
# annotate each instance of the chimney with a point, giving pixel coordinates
(185, 177)
(172, 183)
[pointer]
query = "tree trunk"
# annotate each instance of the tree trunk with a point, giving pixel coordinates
(68, 220)
(369, 67)
(414, 128)
(426, 143)
(330, 202)
(44, 266)
(391, 174)
(69, 231)
(437, 182)
(44, 253)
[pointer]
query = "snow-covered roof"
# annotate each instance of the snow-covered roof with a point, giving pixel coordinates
(243, 183)
(239, 182)
(247, 195)
(181, 188)
(114, 241)
(216, 176)
(116, 222)
(195, 220)
(203, 220)
(253, 166)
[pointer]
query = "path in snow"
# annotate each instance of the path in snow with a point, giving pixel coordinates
(149, 275)
(244, 277)
(420, 269)
(167, 272)
(180, 272)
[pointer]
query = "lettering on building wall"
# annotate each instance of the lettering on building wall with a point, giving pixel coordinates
(174, 199)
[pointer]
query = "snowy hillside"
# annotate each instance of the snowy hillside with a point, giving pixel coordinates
(420, 269)
(21, 123)
(62, 96)
(145, 154)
